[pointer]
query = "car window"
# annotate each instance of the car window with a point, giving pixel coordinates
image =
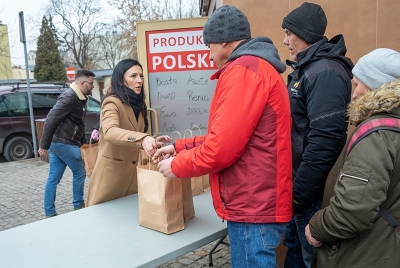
(93, 106)
(14, 105)
(43, 102)
(4, 112)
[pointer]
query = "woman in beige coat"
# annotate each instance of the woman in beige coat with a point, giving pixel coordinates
(121, 136)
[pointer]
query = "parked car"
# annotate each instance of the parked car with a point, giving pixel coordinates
(15, 125)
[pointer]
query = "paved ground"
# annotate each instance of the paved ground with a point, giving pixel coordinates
(21, 202)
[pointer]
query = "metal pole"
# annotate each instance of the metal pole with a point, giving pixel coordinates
(23, 40)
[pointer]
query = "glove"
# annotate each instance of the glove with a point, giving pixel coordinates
(95, 135)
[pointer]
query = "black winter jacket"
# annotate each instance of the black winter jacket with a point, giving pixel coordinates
(319, 90)
(65, 122)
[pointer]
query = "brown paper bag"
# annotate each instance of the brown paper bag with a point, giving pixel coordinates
(89, 154)
(160, 201)
(197, 185)
(206, 182)
(201, 183)
(188, 205)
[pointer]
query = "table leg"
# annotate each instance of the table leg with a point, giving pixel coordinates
(220, 241)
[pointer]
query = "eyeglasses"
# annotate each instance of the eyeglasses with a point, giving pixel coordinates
(90, 83)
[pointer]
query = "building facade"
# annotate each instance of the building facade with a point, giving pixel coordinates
(5, 58)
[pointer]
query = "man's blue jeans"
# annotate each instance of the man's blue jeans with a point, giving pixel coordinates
(253, 245)
(300, 252)
(62, 155)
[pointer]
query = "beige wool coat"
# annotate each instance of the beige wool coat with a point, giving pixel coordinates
(121, 137)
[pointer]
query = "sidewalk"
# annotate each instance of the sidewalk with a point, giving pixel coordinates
(21, 202)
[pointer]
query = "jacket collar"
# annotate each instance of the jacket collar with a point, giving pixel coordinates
(132, 117)
(385, 99)
(305, 55)
(77, 91)
(219, 72)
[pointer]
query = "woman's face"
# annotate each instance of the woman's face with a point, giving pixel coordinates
(133, 78)
(359, 89)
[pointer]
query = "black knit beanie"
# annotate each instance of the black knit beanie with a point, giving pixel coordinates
(226, 24)
(307, 22)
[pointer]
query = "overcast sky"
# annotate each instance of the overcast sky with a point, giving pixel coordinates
(9, 16)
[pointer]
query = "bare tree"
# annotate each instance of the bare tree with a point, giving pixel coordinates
(132, 11)
(5, 59)
(179, 9)
(77, 24)
(112, 47)
(4, 43)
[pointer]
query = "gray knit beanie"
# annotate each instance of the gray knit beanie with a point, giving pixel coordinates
(307, 22)
(378, 67)
(226, 24)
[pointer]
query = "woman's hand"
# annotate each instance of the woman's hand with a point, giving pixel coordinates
(161, 140)
(149, 145)
(163, 153)
(311, 240)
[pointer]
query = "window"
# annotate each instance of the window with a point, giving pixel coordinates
(14, 105)
(4, 104)
(92, 106)
(42, 101)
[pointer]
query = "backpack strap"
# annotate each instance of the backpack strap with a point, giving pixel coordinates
(370, 126)
(365, 129)
(388, 218)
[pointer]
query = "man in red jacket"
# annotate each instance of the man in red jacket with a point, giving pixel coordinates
(247, 150)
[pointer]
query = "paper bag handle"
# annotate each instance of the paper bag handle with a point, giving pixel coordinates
(177, 132)
(90, 142)
(194, 126)
(184, 133)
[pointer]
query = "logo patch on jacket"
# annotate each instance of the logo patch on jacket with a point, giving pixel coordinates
(294, 88)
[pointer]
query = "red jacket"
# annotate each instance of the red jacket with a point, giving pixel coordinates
(247, 150)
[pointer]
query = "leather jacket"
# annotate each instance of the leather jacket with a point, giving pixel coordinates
(65, 122)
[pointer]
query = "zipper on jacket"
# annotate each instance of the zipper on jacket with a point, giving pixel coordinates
(222, 195)
(352, 177)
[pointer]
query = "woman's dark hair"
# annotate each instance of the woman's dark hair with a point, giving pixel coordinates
(117, 79)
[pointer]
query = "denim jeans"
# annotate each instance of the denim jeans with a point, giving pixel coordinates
(253, 244)
(62, 155)
(300, 252)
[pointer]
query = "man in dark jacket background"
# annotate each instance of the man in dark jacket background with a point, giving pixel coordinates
(319, 89)
(63, 134)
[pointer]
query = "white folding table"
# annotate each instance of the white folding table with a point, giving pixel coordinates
(106, 235)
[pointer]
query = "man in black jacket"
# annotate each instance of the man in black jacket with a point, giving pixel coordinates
(63, 134)
(319, 89)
